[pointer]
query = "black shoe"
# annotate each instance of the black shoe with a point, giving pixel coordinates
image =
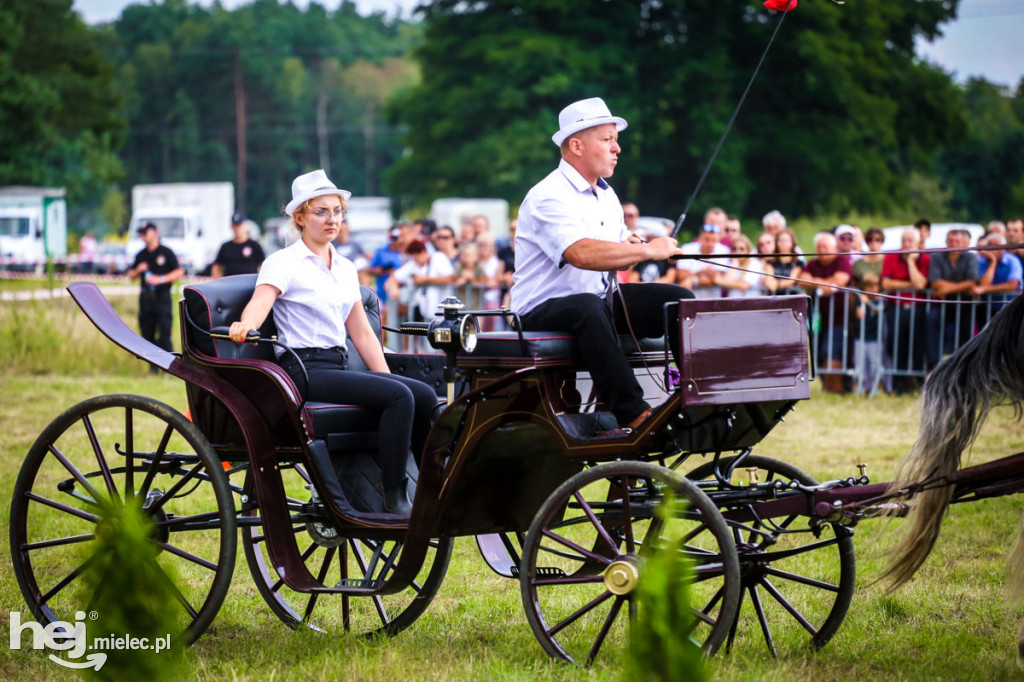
(396, 500)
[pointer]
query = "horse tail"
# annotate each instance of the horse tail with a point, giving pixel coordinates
(956, 401)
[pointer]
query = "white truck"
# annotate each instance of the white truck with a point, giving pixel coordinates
(369, 219)
(33, 226)
(194, 219)
(452, 212)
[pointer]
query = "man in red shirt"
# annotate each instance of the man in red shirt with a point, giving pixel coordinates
(905, 276)
(820, 279)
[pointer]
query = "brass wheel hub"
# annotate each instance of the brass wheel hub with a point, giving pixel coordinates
(621, 577)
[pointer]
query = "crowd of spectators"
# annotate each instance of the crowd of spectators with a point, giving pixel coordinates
(422, 263)
(882, 318)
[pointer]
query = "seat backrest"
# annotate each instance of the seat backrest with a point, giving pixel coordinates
(220, 302)
(216, 304)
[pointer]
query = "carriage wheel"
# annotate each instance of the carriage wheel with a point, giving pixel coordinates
(332, 558)
(798, 579)
(585, 552)
(116, 448)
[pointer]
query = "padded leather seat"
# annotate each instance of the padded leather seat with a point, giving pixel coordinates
(214, 305)
(549, 345)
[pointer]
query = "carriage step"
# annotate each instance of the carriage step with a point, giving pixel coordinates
(342, 585)
(549, 572)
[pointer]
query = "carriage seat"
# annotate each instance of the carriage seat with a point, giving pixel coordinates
(551, 345)
(214, 305)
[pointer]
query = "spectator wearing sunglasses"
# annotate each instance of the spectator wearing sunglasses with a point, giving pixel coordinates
(847, 240)
(700, 276)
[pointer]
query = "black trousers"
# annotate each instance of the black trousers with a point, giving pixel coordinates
(405, 406)
(596, 326)
(155, 317)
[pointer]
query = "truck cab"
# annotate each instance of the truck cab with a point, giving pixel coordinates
(33, 226)
(180, 230)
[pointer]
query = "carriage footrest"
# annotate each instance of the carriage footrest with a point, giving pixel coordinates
(550, 572)
(358, 583)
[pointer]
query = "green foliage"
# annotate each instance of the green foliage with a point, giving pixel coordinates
(984, 170)
(34, 337)
(130, 591)
(840, 114)
(58, 109)
(658, 646)
(257, 95)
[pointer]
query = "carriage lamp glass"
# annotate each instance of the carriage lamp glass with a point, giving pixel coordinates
(455, 330)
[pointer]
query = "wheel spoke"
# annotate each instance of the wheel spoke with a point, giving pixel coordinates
(129, 455)
(802, 579)
(692, 534)
(569, 580)
(177, 551)
(174, 588)
(378, 604)
(627, 517)
(62, 507)
(66, 580)
(755, 599)
(605, 627)
(586, 608)
(588, 510)
(789, 607)
(572, 545)
(73, 470)
(325, 566)
(797, 551)
(70, 540)
(154, 463)
(97, 450)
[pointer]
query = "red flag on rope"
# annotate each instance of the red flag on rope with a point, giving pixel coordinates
(780, 5)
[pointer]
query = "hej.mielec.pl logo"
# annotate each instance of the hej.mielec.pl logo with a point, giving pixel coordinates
(71, 637)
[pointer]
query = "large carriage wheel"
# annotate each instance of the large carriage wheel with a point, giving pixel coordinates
(585, 553)
(798, 579)
(116, 448)
(333, 558)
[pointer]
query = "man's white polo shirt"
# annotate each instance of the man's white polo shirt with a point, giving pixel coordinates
(559, 211)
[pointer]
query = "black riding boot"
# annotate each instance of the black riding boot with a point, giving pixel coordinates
(396, 499)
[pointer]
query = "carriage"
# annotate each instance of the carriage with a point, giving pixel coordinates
(521, 456)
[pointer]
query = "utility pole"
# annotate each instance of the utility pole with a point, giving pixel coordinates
(240, 129)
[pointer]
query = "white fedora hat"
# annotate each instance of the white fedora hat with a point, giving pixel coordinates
(311, 185)
(584, 114)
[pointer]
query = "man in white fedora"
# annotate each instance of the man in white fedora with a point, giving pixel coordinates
(571, 239)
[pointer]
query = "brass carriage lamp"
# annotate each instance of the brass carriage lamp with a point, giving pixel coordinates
(453, 332)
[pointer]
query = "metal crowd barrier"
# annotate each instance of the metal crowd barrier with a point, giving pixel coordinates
(911, 337)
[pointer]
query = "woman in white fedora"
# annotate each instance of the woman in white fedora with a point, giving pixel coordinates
(315, 296)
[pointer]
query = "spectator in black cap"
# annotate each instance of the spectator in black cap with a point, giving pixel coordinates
(158, 267)
(241, 255)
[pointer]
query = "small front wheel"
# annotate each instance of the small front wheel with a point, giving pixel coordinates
(585, 555)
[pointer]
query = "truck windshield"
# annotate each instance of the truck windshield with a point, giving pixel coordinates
(13, 227)
(173, 228)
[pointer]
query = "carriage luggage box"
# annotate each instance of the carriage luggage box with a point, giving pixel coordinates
(741, 350)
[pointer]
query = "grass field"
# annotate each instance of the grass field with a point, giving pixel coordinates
(952, 622)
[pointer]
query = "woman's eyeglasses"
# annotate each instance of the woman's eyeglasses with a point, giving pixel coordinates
(324, 212)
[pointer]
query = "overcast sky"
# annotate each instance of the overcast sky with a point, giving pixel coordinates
(983, 41)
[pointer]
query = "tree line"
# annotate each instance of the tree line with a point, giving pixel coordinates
(461, 100)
